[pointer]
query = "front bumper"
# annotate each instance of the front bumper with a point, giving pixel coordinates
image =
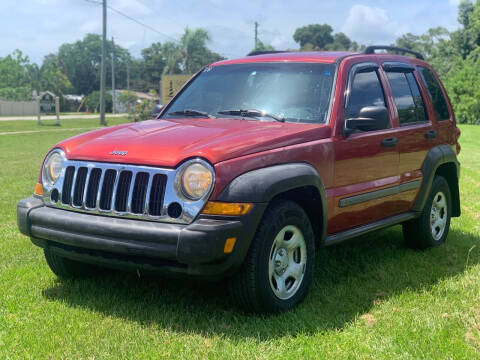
(195, 249)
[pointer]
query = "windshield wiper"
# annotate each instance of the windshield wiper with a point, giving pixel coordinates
(192, 112)
(251, 113)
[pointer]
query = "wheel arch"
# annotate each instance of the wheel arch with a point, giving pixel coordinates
(298, 182)
(440, 160)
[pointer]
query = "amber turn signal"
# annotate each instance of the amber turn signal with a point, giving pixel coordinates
(38, 189)
(223, 208)
(229, 244)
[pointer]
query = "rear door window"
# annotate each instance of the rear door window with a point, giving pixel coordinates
(408, 99)
(435, 92)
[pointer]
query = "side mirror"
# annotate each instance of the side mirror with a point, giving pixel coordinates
(370, 118)
(156, 110)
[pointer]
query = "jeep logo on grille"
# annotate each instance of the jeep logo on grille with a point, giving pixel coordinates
(121, 153)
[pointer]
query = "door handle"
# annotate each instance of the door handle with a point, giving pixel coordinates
(390, 142)
(431, 134)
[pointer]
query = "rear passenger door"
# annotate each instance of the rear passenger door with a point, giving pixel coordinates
(416, 133)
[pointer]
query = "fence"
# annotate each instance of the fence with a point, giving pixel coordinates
(18, 108)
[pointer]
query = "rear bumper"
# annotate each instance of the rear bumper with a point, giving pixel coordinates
(195, 249)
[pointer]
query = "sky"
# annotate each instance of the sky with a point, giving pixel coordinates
(39, 27)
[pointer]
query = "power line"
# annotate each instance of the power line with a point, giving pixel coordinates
(134, 20)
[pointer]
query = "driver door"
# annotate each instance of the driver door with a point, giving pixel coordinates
(366, 162)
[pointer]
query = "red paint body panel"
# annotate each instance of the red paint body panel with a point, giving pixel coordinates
(348, 166)
(167, 143)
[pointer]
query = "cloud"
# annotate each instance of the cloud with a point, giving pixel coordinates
(91, 26)
(369, 25)
(454, 2)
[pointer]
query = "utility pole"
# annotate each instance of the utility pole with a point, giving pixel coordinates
(113, 76)
(256, 34)
(102, 69)
(128, 74)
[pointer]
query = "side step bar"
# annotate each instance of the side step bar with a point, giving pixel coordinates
(360, 230)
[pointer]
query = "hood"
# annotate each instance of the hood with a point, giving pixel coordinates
(168, 142)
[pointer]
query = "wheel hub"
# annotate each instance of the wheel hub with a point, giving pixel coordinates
(287, 262)
(438, 216)
(281, 261)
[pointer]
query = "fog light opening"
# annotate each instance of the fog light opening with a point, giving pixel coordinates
(174, 210)
(54, 195)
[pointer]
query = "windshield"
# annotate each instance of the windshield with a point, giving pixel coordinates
(293, 92)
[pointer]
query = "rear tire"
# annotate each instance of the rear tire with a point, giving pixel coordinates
(278, 269)
(431, 228)
(67, 268)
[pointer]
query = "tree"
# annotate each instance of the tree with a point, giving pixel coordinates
(92, 101)
(340, 42)
(319, 36)
(80, 62)
(152, 65)
(456, 58)
(263, 47)
(190, 54)
(14, 70)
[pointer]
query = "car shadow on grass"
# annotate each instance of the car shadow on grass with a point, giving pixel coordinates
(349, 279)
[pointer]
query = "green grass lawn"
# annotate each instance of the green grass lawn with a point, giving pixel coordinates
(371, 297)
(50, 125)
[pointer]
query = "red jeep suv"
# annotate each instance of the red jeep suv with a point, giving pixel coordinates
(253, 165)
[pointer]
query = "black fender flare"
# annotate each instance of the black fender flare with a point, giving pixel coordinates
(263, 185)
(437, 156)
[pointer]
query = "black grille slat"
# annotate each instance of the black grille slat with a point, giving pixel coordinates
(156, 195)
(92, 188)
(139, 192)
(123, 187)
(67, 185)
(79, 186)
(107, 189)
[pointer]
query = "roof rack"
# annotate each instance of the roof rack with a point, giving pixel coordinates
(263, 52)
(371, 50)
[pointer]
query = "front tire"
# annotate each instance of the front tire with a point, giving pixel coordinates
(278, 269)
(431, 228)
(67, 268)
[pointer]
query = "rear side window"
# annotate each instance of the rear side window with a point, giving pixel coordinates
(366, 90)
(408, 98)
(436, 95)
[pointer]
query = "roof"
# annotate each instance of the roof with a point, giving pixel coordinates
(324, 56)
(301, 56)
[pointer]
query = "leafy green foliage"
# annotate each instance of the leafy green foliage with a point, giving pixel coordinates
(81, 63)
(143, 109)
(128, 98)
(463, 85)
(321, 37)
(261, 46)
(23, 93)
(92, 102)
(456, 58)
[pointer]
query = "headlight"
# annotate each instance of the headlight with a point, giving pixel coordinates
(196, 179)
(52, 168)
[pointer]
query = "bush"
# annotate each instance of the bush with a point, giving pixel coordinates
(463, 86)
(92, 102)
(143, 110)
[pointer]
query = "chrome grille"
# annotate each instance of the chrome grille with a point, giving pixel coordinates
(120, 190)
